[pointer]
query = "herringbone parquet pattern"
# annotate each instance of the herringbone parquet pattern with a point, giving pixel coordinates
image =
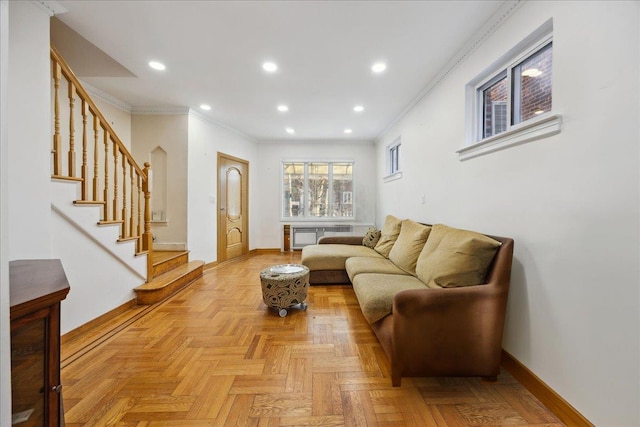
(214, 355)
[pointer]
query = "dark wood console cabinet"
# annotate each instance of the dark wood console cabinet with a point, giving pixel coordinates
(36, 289)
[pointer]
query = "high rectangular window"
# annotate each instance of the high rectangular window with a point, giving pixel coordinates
(516, 94)
(317, 190)
(511, 102)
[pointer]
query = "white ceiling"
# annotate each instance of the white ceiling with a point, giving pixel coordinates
(213, 51)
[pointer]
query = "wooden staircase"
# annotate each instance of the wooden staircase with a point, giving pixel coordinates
(87, 150)
(172, 271)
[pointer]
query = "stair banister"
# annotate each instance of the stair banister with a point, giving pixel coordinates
(114, 200)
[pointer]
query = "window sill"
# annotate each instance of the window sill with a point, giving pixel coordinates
(392, 177)
(541, 127)
(295, 219)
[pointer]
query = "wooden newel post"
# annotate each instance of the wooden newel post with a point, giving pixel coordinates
(147, 237)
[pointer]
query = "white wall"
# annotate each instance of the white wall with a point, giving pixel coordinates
(29, 144)
(206, 139)
(571, 202)
(169, 131)
(92, 294)
(271, 155)
(5, 355)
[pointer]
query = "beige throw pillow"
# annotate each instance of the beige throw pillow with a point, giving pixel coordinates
(388, 236)
(453, 257)
(370, 239)
(410, 242)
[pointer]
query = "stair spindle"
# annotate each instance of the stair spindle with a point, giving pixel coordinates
(72, 131)
(106, 174)
(139, 208)
(96, 178)
(56, 108)
(132, 186)
(116, 150)
(125, 224)
(85, 177)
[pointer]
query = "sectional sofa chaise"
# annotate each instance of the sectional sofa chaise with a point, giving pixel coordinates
(435, 296)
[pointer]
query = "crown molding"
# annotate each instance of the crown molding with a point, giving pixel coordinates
(103, 96)
(151, 110)
(474, 42)
(341, 141)
(51, 7)
(228, 128)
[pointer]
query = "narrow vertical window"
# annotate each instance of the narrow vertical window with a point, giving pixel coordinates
(393, 161)
(395, 158)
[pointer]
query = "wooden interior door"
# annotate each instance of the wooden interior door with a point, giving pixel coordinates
(233, 204)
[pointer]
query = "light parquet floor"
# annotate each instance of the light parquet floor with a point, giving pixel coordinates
(215, 355)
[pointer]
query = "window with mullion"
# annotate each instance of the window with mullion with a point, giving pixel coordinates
(317, 190)
(520, 92)
(511, 102)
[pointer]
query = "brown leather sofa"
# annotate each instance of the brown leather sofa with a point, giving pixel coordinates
(454, 331)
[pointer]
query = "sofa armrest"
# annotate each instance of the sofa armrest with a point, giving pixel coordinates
(457, 330)
(344, 240)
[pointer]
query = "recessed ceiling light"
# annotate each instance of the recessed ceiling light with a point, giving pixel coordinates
(290, 131)
(358, 108)
(348, 131)
(283, 108)
(157, 65)
(269, 67)
(531, 72)
(379, 67)
(205, 107)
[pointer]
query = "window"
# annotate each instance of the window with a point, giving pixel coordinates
(511, 103)
(393, 161)
(313, 190)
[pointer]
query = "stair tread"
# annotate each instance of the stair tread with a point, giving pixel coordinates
(171, 276)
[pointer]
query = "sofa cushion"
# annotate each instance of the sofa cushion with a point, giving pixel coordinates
(410, 242)
(453, 257)
(388, 235)
(375, 292)
(367, 264)
(333, 256)
(372, 237)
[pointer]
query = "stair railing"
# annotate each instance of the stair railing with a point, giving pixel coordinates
(114, 180)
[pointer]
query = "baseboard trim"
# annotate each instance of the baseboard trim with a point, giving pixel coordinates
(266, 251)
(545, 394)
(210, 265)
(111, 314)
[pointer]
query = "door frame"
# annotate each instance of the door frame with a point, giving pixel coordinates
(222, 253)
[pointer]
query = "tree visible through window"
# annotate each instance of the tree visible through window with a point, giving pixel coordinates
(317, 189)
